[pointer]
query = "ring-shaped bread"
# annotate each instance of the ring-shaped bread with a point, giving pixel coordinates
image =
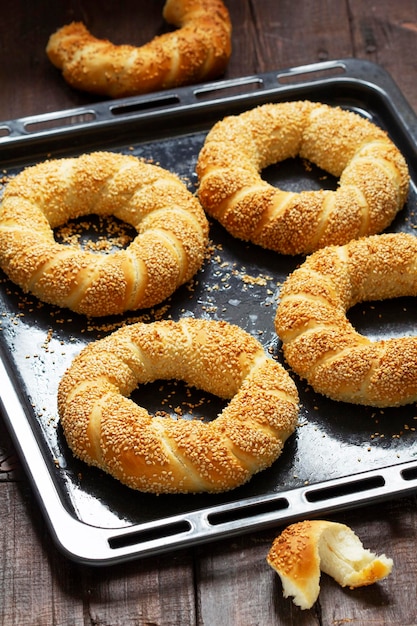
(198, 50)
(107, 429)
(167, 251)
(319, 342)
(373, 176)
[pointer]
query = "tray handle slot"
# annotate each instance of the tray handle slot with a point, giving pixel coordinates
(247, 511)
(347, 489)
(145, 104)
(48, 122)
(409, 473)
(315, 71)
(226, 88)
(155, 533)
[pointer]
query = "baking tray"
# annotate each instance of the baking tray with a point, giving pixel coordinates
(341, 455)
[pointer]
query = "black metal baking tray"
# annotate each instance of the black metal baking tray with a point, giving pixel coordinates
(341, 456)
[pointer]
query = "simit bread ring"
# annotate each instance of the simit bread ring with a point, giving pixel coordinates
(162, 455)
(303, 549)
(199, 50)
(168, 250)
(319, 342)
(373, 183)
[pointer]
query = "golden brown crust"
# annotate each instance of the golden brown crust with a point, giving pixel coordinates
(304, 549)
(167, 251)
(373, 174)
(158, 454)
(199, 50)
(319, 342)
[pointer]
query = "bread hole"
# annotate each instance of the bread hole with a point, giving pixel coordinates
(297, 175)
(385, 319)
(96, 233)
(178, 400)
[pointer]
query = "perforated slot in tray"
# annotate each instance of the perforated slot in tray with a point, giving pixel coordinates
(231, 519)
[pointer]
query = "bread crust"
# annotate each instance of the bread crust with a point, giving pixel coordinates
(373, 176)
(170, 246)
(319, 342)
(107, 429)
(198, 50)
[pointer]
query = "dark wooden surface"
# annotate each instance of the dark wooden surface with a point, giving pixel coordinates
(227, 582)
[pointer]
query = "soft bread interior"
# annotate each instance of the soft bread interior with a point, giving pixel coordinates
(343, 557)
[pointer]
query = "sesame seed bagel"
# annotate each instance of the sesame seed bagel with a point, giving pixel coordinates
(319, 342)
(172, 233)
(373, 176)
(198, 50)
(107, 429)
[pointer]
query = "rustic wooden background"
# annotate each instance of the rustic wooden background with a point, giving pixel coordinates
(226, 582)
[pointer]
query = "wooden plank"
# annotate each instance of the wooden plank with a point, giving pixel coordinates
(292, 33)
(40, 586)
(30, 590)
(386, 33)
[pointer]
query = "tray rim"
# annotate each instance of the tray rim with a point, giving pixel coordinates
(174, 102)
(93, 545)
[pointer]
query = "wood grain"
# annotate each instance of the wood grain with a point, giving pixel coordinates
(227, 582)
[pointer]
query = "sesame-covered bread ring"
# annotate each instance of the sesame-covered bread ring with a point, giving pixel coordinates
(373, 176)
(198, 50)
(107, 429)
(167, 251)
(319, 342)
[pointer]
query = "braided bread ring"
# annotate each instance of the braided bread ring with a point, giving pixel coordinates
(322, 346)
(199, 50)
(107, 429)
(166, 253)
(373, 183)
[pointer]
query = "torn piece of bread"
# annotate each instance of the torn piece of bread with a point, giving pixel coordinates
(304, 549)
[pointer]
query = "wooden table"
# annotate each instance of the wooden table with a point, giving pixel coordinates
(227, 582)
